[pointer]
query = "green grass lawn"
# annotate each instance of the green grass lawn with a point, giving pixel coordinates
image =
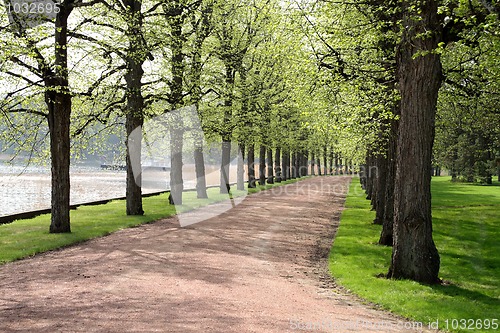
(25, 238)
(466, 224)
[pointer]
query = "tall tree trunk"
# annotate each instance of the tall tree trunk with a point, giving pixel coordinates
(270, 171)
(224, 168)
(414, 254)
(380, 189)
(134, 117)
(199, 164)
(295, 165)
(336, 164)
(251, 166)
(318, 164)
(305, 162)
(176, 145)
(277, 165)
(285, 165)
(386, 235)
(312, 164)
(240, 171)
(202, 32)
(362, 176)
(330, 171)
(325, 161)
(227, 131)
(374, 184)
(262, 165)
(298, 164)
(370, 174)
(134, 189)
(302, 164)
(176, 20)
(58, 100)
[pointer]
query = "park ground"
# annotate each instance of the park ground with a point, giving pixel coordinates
(259, 267)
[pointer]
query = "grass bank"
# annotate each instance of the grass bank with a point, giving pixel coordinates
(466, 224)
(24, 238)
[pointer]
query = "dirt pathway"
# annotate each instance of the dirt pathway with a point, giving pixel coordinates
(260, 267)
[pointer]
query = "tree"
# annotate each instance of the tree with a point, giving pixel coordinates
(202, 26)
(136, 55)
(467, 120)
(236, 30)
(414, 253)
(37, 72)
(175, 14)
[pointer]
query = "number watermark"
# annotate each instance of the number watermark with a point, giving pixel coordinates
(30, 13)
(470, 324)
(331, 325)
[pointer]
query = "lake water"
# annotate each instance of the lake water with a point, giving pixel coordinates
(28, 189)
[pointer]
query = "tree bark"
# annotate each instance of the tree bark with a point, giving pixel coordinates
(277, 165)
(240, 171)
(336, 164)
(224, 168)
(176, 145)
(176, 20)
(305, 162)
(295, 165)
(134, 189)
(285, 165)
(325, 161)
(251, 166)
(386, 235)
(330, 158)
(414, 254)
(262, 165)
(362, 176)
(199, 163)
(380, 189)
(270, 171)
(302, 164)
(370, 175)
(227, 132)
(312, 164)
(58, 100)
(134, 117)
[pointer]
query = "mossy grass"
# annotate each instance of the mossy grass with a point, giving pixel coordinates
(466, 224)
(24, 238)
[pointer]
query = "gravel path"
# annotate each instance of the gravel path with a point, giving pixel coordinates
(260, 267)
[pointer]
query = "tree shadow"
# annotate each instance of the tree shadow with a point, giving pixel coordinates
(450, 289)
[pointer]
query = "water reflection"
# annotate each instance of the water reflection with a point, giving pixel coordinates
(28, 189)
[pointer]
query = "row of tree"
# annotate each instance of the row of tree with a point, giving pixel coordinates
(300, 84)
(418, 66)
(106, 67)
